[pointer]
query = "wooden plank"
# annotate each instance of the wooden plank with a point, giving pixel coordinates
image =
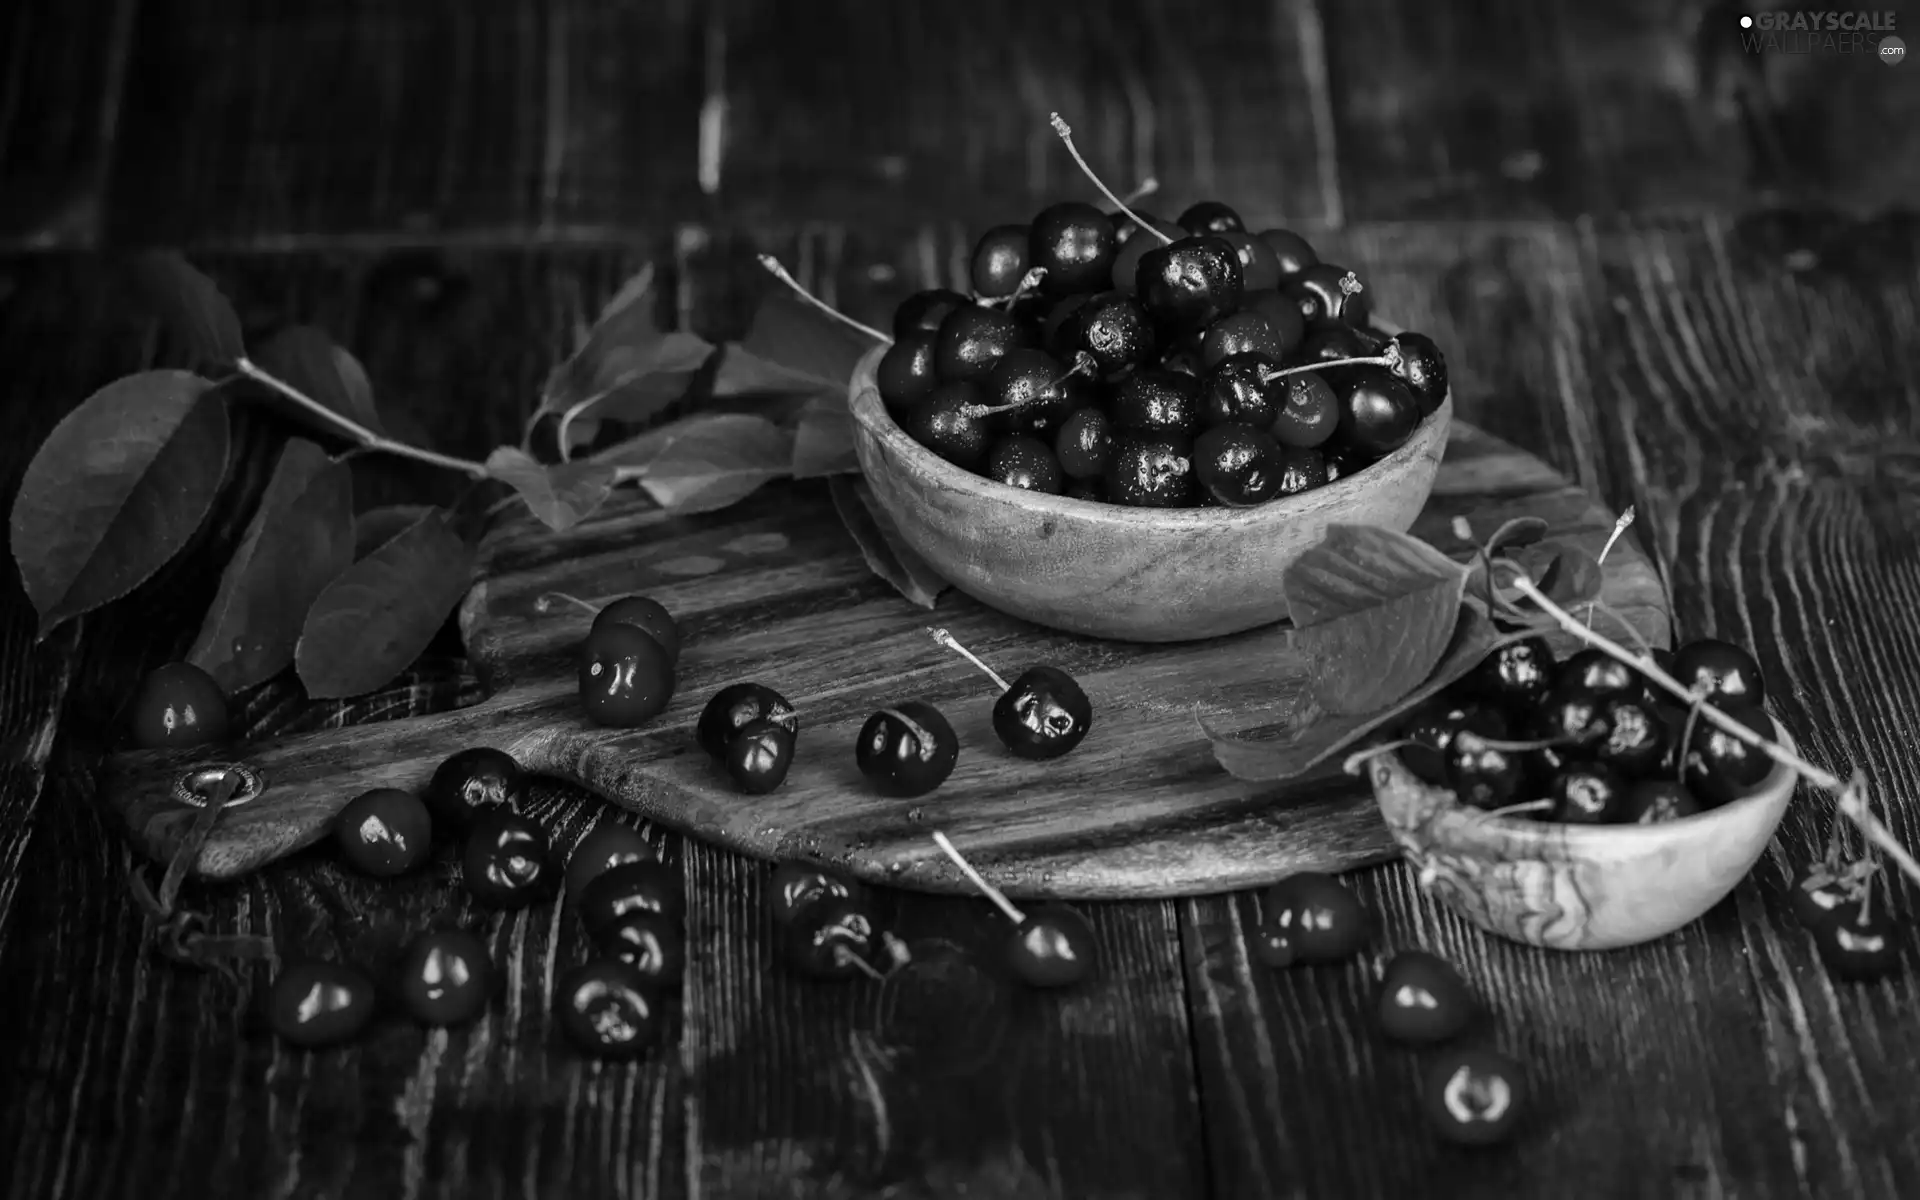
(1762, 430)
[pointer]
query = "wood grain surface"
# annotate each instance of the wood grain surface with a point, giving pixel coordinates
(1560, 190)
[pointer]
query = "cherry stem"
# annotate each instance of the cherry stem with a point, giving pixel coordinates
(1083, 364)
(1350, 284)
(1522, 807)
(1066, 135)
(548, 599)
(1389, 361)
(779, 272)
(947, 639)
(366, 438)
(1146, 187)
(1028, 282)
(1849, 794)
(1619, 527)
(974, 877)
(847, 958)
(1685, 749)
(1351, 764)
(896, 949)
(1470, 740)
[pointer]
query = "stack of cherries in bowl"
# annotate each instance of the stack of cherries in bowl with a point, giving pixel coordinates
(1126, 359)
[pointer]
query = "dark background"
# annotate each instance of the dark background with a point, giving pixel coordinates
(1682, 275)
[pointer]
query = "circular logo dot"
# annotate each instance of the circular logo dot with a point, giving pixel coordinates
(1746, 22)
(1892, 50)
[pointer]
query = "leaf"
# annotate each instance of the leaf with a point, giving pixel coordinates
(792, 348)
(116, 490)
(561, 495)
(1572, 576)
(308, 359)
(376, 617)
(1372, 611)
(191, 307)
(823, 440)
(887, 554)
(298, 541)
(1315, 735)
(626, 368)
(704, 462)
(1519, 531)
(378, 526)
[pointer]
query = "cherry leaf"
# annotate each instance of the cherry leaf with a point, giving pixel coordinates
(298, 541)
(378, 526)
(1572, 576)
(704, 462)
(561, 495)
(116, 490)
(626, 368)
(792, 348)
(1315, 735)
(192, 308)
(308, 359)
(823, 439)
(375, 618)
(1520, 531)
(887, 554)
(1373, 611)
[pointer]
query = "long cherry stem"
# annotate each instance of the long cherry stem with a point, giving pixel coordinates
(974, 877)
(947, 639)
(366, 438)
(1620, 525)
(1389, 361)
(1083, 364)
(779, 272)
(1066, 135)
(1146, 187)
(1848, 793)
(548, 599)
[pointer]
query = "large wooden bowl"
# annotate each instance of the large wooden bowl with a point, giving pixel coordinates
(1110, 571)
(1577, 887)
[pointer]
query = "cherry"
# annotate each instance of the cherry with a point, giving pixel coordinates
(905, 374)
(650, 943)
(1052, 946)
(1332, 344)
(795, 886)
(1636, 738)
(952, 424)
(999, 262)
(446, 977)
(1823, 889)
(1482, 773)
(1328, 293)
(1237, 465)
(922, 312)
(1243, 332)
(607, 1009)
(1189, 284)
(1273, 946)
(1114, 329)
(1084, 443)
(1571, 716)
(647, 615)
(1474, 1097)
(1033, 386)
(313, 1004)
(505, 861)
(1210, 216)
(759, 756)
(1515, 677)
(1423, 369)
(1725, 672)
(1075, 244)
(1151, 471)
(1306, 412)
(384, 832)
(1432, 728)
(177, 706)
(1324, 921)
(1236, 390)
(1086, 489)
(471, 783)
(1259, 266)
(1025, 462)
(1377, 412)
(626, 677)
(1719, 766)
(1587, 794)
(632, 887)
(1657, 801)
(1422, 999)
(1056, 326)
(736, 706)
(1042, 714)
(1344, 461)
(1598, 673)
(1183, 362)
(906, 751)
(1290, 250)
(833, 938)
(1126, 264)
(1158, 401)
(1280, 309)
(1857, 940)
(1301, 470)
(973, 339)
(608, 844)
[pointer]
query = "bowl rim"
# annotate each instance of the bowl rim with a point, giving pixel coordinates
(1521, 838)
(869, 411)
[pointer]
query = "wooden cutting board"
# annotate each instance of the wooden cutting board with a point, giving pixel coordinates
(774, 590)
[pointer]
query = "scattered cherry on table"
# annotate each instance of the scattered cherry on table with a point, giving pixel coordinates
(607, 1009)
(650, 942)
(607, 845)
(1422, 999)
(1474, 1097)
(736, 706)
(626, 676)
(1043, 714)
(1051, 947)
(907, 750)
(177, 706)
(1320, 919)
(795, 886)
(384, 832)
(446, 977)
(630, 887)
(313, 1003)
(470, 783)
(505, 861)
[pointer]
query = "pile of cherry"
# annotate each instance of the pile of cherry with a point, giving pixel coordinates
(1122, 358)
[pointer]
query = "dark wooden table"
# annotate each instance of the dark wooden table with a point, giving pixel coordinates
(1658, 262)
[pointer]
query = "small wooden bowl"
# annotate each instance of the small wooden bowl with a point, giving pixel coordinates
(1116, 572)
(1577, 887)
